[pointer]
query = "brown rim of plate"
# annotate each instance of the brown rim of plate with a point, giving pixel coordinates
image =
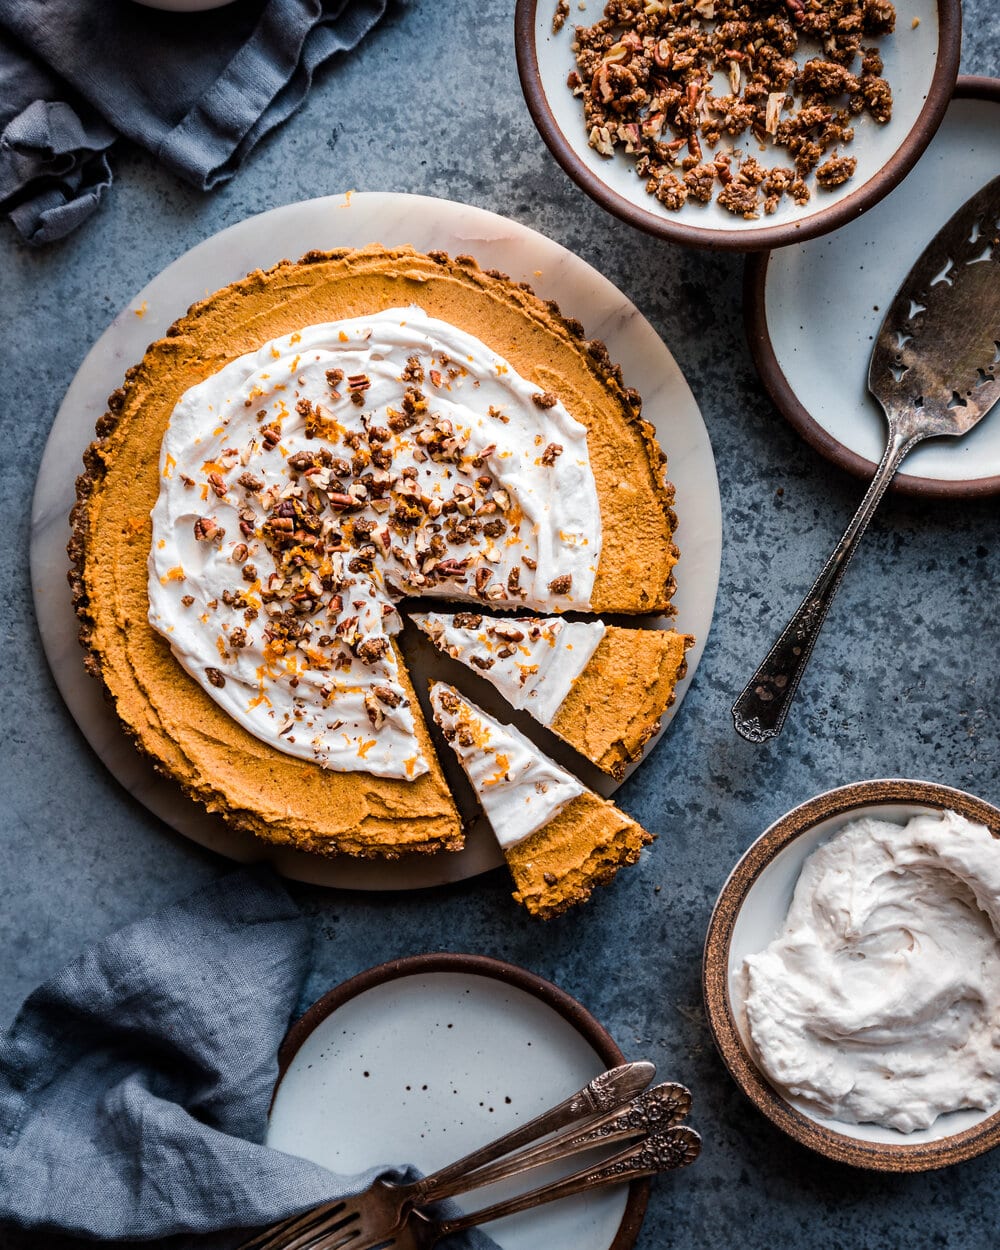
(876, 1156)
(482, 966)
(880, 184)
(968, 87)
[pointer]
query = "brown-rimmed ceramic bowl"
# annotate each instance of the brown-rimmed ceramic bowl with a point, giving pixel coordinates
(749, 913)
(812, 312)
(921, 66)
(426, 1058)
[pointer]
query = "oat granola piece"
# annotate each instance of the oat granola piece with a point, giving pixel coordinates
(835, 171)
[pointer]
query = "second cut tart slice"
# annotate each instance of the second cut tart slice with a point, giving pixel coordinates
(559, 838)
(601, 688)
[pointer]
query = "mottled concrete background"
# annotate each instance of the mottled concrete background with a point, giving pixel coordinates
(903, 681)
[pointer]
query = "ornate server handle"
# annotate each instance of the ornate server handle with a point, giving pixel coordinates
(759, 713)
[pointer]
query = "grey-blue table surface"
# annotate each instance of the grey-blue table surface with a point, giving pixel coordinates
(903, 682)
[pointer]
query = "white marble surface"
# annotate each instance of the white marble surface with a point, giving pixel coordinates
(353, 220)
(840, 286)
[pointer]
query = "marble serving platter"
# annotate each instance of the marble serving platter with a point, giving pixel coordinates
(353, 220)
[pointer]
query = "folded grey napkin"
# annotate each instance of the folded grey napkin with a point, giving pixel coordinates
(198, 90)
(135, 1085)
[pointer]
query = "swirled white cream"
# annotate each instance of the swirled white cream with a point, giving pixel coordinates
(310, 485)
(879, 1001)
(519, 788)
(533, 661)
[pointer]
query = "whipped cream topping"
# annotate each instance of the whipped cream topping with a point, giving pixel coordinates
(879, 1000)
(533, 661)
(310, 485)
(519, 788)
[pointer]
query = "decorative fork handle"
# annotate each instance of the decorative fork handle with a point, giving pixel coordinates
(759, 713)
(651, 1112)
(674, 1148)
(604, 1093)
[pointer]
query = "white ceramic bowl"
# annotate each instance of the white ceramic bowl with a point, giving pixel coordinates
(921, 66)
(749, 914)
(183, 6)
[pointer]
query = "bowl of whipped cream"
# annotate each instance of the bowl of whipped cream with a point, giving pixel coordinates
(852, 974)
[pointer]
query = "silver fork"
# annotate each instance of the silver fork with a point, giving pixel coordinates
(662, 1152)
(648, 1114)
(383, 1205)
(934, 369)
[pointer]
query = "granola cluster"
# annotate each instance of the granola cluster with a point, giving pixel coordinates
(338, 516)
(650, 75)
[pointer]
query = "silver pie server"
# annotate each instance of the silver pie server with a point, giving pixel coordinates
(935, 369)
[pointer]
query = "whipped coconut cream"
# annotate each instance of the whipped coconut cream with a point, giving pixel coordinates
(310, 485)
(879, 1001)
(519, 788)
(533, 661)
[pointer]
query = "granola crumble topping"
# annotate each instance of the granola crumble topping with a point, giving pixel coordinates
(336, 508)
(662, 80)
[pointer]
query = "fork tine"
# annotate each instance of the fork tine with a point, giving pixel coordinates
(275, 1237)
(336, 1222)
(339, 1241)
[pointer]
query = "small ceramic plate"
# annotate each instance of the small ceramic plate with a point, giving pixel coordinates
(355, 220)
(749, 914)
(921, 65)
(813, 311)
(425, 1059)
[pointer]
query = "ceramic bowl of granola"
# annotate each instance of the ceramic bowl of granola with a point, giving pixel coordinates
(737, 124)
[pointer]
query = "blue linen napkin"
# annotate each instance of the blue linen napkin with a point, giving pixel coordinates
(197, 90)
(135, 1085)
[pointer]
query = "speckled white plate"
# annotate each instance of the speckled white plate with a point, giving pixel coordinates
(354, 220)
(426, 1059)
(921, 64)
(813, 310)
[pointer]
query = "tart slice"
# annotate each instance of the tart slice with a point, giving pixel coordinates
(601, 688)
(559, 838)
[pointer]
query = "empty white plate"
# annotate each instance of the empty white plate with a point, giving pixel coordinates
(428, 1058)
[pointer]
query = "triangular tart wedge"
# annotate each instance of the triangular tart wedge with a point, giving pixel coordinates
(601, 688)
(559, 839)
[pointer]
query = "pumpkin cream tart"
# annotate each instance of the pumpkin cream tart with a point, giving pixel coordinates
(300, 453)
(560, 839)
(601, 688)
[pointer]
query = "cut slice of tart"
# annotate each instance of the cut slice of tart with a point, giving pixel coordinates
(559, 838)
(601, 688)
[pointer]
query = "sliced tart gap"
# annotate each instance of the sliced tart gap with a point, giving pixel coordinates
(559, 839)
(602, 688)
